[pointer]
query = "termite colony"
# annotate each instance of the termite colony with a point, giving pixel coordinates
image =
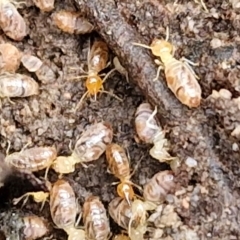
(131, 208)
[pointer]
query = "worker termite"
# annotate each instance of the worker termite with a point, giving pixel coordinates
(159, 186)
(97, 61)
(31, 63)
(17, 225)
(118, 164)
(45, 5)
(9, 58)
(11, 22)
(132, 218)
(96, 222)
(71, 22)
(64, 208)
(180, 77)
(32, 159)
(149, 131)
(91, 145)
(17, 85)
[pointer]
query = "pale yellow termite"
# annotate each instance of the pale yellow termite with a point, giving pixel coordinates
(91, 145)
(118, 165)
(97, 61)
(96, 222)
(72, 22)
(45, 5)
(159, 186)
(149, 131)
(180, 77)
(17, 85)
(11, 22)
(10, 58)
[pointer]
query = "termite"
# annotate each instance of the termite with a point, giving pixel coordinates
(91, 145)
(95, 220)
(118, 165)
(17, 85)
(133, 217)
(159, 186)
(180, 77)
(149, 131)
(11, 22)
(97, 61)
(71, 22)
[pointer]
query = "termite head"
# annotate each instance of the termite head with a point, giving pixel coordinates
(94, 84)
(64, 165)
(125, 191)
(160, 47)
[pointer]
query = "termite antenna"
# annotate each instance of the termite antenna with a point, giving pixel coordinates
(141, 45)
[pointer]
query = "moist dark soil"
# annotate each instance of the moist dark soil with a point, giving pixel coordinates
(206, 203)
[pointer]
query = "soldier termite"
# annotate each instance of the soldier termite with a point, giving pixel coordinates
(132, 218)
(91, 145)
(11, 22)
(96, 222)
(71, 22)
(10, 58)
(64, 208)
(97, 61)
(17, 85)
(118, 165)
(45, 5)
(159, 186)
(149, 131)
(180, 77)
(17, 225)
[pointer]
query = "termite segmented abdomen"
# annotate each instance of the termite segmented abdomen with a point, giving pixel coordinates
(17, 85)
(146, 129)
(159, 186)
(183, 83)
(93, 142)
(32, 159)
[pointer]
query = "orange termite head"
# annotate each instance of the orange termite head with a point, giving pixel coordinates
(159, 47)
(125, 191)
(94, 84)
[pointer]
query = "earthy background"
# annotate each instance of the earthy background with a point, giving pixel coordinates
(206, 204)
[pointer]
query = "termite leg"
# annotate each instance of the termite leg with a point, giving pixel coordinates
(159, 69)
(151, 118)
(81, 100)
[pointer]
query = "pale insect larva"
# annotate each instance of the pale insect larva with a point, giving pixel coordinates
(159, 186)
(11, 22)
(10, 58)
(96, 222)
(91, 145)
(17, 85)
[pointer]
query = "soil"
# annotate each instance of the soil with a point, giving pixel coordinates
(206, 203)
